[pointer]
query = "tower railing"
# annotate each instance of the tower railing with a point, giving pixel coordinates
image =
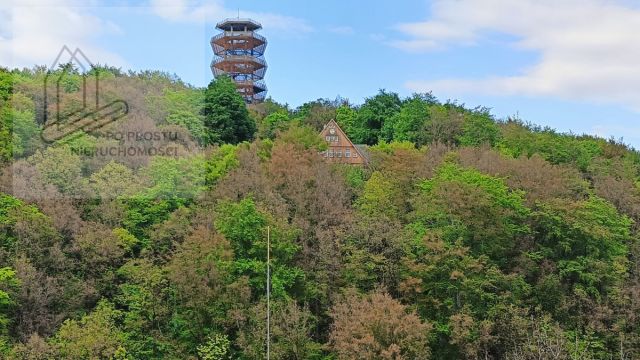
(240, 59)
(220, 50)
(256, 84)
(233, 34)
(255, 74)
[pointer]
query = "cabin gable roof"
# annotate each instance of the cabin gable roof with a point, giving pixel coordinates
(344, 141)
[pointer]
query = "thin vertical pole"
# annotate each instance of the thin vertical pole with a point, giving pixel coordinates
(268, 292)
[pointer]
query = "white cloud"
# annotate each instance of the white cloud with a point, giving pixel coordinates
(342, 30)
(588, 49)
(200, 11)
(33, 32)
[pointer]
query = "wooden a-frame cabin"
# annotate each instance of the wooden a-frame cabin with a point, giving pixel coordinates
(341, 149)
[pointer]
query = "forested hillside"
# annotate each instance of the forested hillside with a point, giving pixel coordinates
(466, 237)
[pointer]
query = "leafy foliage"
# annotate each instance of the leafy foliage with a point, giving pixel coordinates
(9, 284)
(371, 118)
(465, 236)
(216, 348)
(479, 209)
(6, 85)
(183, 107)
(377, 327)
(221, 161)
(225, 115)
(94, 336)
(246, 228)
(479, 128)
(408, 124)
(589, 240)
(277, 121)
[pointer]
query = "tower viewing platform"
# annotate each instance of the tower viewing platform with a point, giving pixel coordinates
(239, 52)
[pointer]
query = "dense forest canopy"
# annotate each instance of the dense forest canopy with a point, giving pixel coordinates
(466, 237)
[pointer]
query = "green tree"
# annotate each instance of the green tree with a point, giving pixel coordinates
(303, 138)
(216, 348)
(141, 212)
(9, 285)
(409, 123)
(346, 118)
(182, 106)
(456, 291)
(143, 294)
(479, 128)
(6, 135)
(221, 160)
(26, 230)
(113, 180)
(273, 123)
(444, 125)
(95, 336)
(18, 132)
(25, 132)
(589, 242)
(316, 114)
(6, 85)
(246, 228)
(206, 293)
(60, 167)
(226, 117)
(177, 179)
(519, 139)
(373, 115)
(378, 197)
(292, 329)
(477, 208)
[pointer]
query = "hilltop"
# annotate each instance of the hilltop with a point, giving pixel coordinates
(465, 237)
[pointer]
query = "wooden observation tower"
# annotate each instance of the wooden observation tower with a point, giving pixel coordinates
(239, 51)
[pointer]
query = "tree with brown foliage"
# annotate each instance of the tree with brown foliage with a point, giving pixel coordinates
(376, 326)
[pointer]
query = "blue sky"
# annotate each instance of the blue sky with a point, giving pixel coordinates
(568, 64)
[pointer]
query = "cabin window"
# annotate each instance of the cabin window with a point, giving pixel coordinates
(339, 153)
(330, 153)
(347, 153)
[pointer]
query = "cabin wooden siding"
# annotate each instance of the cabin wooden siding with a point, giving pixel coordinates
(340, 149)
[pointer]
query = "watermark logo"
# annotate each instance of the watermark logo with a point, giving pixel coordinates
(90, 115)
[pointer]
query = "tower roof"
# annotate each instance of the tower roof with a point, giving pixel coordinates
(239, 24)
